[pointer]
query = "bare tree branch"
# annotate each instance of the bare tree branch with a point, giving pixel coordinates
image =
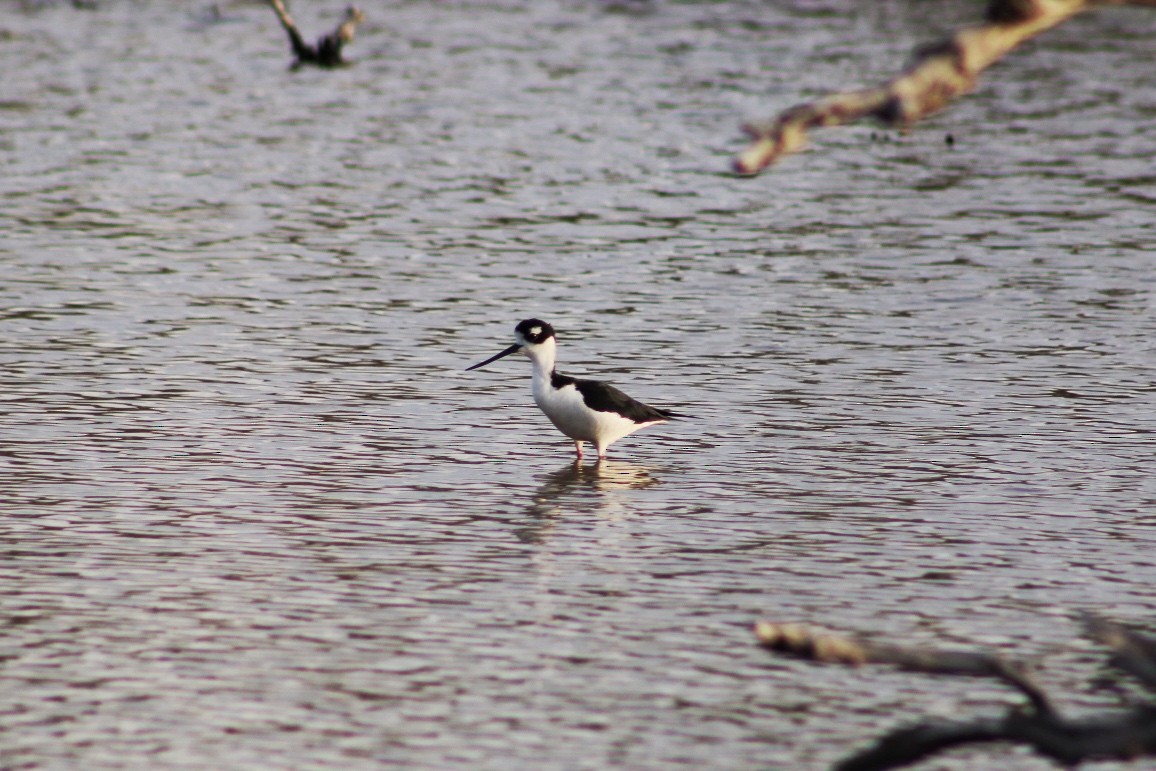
(1120, 735)
(938, 73)
(327, 51)
(818, 645)
(1116, 737)
(1131, 651)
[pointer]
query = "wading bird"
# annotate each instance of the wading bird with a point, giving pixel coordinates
(584, 410)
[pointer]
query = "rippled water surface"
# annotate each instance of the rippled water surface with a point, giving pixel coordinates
(255, 515)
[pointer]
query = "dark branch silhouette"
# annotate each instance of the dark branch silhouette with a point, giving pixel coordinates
(1132, 652)
(327, 51)
(939, 73)
(1120, 735)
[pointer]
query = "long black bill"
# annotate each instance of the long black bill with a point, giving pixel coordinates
(512, 349)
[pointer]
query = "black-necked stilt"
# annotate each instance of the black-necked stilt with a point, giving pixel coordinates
(584, 410)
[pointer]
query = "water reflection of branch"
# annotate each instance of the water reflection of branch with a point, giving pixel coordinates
(327, 51)
(580, 481)
(939, 73)
(1121, 735)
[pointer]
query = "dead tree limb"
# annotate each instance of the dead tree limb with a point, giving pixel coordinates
(1132, 652)
(938, 73)
(327, 51)
(817, 645)
(1120, 735)
(1124, 736)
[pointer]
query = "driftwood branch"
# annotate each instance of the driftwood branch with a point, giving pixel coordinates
(1125, 736)
(1132, 652)
(327, 51)
(938, 73)
(816, 645)
(1120, 735)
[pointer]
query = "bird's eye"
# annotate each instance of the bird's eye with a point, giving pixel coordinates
(535, 331)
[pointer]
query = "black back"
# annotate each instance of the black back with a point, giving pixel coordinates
(604, 397)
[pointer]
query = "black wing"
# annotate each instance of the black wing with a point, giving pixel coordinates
(604, 397)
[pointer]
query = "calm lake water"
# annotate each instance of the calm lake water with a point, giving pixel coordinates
(255, 515)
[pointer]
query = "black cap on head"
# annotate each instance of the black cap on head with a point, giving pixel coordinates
(534, 331)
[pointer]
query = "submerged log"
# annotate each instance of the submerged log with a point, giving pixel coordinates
(938, 73)
(1121, 735)
(327, 51)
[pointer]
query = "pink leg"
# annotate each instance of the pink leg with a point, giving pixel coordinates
(578, 448)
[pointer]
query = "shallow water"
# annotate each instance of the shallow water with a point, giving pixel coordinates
(256, 515)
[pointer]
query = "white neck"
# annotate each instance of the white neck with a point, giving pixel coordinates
(543, 355)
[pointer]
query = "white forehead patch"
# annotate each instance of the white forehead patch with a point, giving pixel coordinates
(535, 331)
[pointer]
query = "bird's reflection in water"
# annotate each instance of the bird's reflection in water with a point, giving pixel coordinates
(590, 487)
